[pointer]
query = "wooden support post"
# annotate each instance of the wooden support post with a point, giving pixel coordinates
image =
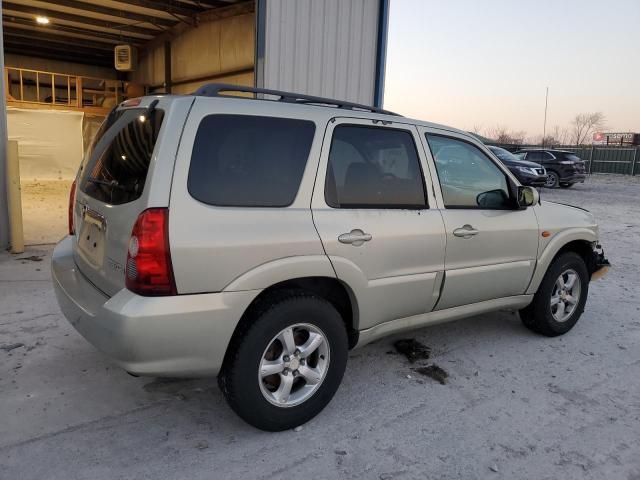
(633, 162)
(167, 67)
(53, 89)
(591, 159)
(14, 199)
(79, 94)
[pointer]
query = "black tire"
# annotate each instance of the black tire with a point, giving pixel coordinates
(239, 377)
(553, 179)
(567, 185)
(538, 315)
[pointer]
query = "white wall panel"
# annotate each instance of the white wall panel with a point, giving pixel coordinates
(322, 47)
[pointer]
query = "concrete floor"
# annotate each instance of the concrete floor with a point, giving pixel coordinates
(516, 405)
(45, 209)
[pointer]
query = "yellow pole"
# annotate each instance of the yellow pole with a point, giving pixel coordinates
(14, 199)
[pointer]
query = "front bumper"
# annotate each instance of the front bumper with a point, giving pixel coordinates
(177, 336)
(598, 264)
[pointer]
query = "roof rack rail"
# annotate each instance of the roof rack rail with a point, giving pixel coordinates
(215, 89)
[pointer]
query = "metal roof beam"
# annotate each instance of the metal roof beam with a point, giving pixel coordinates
(70, 31)
(184, 9)
(49, 39)
(68, 17)
(116, 12)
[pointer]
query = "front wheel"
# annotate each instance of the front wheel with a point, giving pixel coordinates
(287, 362)
(560, 299)
(552, 179)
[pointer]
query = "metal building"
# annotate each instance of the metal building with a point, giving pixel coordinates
(58, 58)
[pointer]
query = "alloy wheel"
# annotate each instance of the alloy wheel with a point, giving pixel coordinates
(565, 295)
(293, 365)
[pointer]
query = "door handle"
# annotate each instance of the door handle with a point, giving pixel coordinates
(466, 231)
(355, 237)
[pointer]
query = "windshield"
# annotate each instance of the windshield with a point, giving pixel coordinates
(119, 157)
(503, 154)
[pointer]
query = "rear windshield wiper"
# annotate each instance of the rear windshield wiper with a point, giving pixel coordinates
(112, 184)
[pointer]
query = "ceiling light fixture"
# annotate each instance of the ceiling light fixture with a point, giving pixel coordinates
(42, 20)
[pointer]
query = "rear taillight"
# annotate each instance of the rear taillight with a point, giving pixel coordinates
(72, 201)
(149, 271)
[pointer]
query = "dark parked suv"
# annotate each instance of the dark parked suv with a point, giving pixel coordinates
(528, 173)
(564, 168)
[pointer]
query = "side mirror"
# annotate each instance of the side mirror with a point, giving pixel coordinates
(527, 196)
(493, 199)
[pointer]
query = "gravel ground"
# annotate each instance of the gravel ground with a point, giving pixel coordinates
(515, 405)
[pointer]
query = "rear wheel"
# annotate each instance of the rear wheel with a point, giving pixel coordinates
(560, 299)
(287, 362)
(567, 185)
(552, 179)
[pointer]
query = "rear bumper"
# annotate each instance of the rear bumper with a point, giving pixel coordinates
(181, 336)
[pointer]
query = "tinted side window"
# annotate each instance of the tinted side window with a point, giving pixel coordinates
(249, 161)
(535, 156)
(468, 178)
(373, 167)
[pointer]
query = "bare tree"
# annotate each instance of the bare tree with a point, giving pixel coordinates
(477, 129)
(584, 125)
(502, 134)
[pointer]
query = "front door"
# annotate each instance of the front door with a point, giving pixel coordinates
(491, 245)
(372, 211)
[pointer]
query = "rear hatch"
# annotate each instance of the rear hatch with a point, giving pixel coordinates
(111, 192)
(579, 164)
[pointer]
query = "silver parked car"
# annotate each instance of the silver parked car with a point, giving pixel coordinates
(260, 239)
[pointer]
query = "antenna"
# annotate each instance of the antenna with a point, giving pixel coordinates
(544, 128)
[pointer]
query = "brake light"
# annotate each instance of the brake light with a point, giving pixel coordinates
(72, 201)
(132, 102)
(149, 271)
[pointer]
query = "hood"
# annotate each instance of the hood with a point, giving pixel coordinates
(557, 216)
(520, 163)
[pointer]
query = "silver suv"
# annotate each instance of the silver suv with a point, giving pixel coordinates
(259, 239)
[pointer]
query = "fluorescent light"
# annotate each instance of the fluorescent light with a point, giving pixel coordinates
(42, 20)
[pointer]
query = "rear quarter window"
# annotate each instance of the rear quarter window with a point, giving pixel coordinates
(249, 161)
(120, 155)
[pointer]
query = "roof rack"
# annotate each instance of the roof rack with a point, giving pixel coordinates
(215, 89)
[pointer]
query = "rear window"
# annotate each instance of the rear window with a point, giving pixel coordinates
(120, 155)
(249, 161)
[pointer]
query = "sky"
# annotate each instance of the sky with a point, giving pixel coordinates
(487, 63)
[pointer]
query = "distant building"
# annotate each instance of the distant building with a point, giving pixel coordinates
(624, 138)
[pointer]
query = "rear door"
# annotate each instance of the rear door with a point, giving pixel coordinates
(491, 246)
(372, 210)
(127, 170)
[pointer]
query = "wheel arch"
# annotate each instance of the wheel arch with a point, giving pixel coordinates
(330, 289)
(577, 240)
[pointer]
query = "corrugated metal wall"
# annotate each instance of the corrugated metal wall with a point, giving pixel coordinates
(325, 48)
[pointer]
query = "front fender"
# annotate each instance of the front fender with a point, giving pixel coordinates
(551, 249)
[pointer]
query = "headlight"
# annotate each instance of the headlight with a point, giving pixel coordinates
(528, 170)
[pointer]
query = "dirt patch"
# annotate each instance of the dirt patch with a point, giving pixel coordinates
(32, 258)
(433, 371)
(11, 346)
(412, 349)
